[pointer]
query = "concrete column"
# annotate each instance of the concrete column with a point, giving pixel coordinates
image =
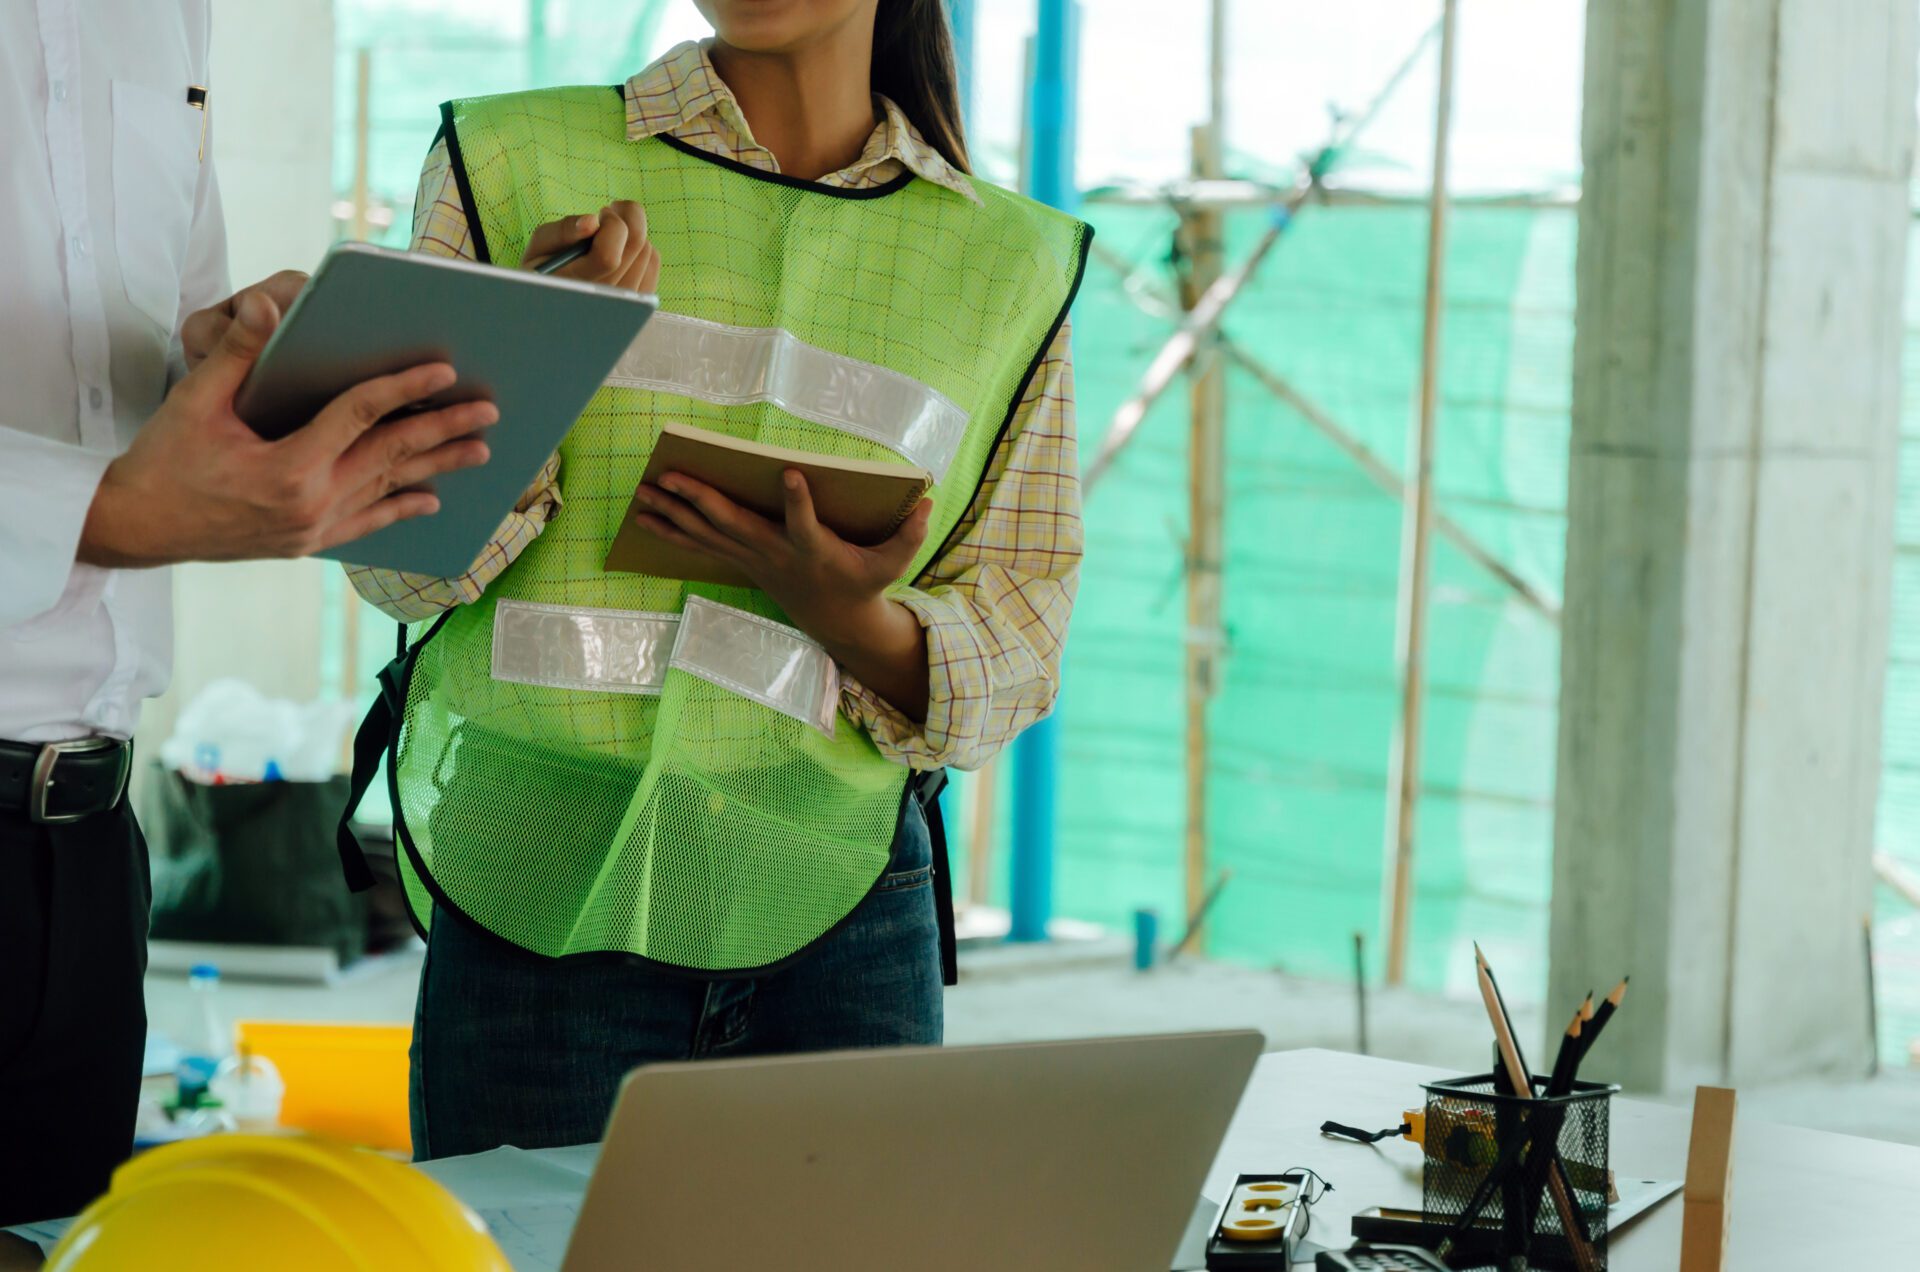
(1730, 537)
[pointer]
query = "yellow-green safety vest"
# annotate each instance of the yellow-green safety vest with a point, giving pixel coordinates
(587, 761)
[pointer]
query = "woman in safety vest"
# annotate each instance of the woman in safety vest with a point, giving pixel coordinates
(642, 818)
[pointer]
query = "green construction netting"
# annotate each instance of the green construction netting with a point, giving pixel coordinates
(1303, 724)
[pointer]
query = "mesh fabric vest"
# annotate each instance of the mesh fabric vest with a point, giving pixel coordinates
(690, 825)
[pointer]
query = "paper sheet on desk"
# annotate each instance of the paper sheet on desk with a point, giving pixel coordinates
(534, 1238)
(529, 1200)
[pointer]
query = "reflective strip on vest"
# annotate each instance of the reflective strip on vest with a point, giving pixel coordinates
(729, 366)
(630, 651)
(775, 665)
(561, 647)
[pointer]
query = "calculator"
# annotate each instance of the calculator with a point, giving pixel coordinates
(1379, 1258)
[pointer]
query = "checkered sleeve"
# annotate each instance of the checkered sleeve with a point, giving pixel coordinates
(440, 229)
(995, 604)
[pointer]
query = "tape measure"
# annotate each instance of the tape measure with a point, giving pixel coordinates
(1262, 1222)
(1459, 1134)
(1259, 1212)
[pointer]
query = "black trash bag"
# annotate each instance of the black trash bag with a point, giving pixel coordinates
(252, 864)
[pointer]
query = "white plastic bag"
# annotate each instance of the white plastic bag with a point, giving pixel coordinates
(231, 732)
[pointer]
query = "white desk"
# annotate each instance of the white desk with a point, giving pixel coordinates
(1801, 1199)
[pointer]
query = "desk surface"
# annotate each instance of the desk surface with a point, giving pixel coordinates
(1801, 1199)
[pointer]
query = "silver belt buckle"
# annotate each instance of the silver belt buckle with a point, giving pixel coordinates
(40, 787)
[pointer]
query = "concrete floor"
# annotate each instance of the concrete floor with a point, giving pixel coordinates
(1012, 994)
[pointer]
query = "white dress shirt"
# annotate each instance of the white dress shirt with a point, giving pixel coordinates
(110, 235)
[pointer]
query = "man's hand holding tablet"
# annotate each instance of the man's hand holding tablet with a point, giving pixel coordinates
(371, 388)
(199, 484)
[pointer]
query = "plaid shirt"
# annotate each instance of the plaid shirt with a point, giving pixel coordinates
(994, 605)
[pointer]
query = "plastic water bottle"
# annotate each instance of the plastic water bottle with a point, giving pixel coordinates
(249, 1089)
(206, 1043)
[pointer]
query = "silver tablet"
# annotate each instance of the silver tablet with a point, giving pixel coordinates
(537, 347)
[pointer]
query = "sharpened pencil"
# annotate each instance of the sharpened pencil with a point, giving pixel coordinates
(1567, 1061)
(1602, 1014)
(1500, 1004)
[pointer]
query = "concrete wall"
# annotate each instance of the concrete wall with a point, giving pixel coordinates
(1730, 539)
(272, 135)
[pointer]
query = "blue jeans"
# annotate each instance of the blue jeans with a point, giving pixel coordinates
(512, 1048)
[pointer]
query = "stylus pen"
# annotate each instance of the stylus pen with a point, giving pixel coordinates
(561, 259)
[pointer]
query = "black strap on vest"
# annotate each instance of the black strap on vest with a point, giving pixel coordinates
(369, 744)
(926, 787)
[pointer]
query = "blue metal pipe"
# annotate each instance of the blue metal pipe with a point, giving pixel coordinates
(1036, 755)
(1036, 767)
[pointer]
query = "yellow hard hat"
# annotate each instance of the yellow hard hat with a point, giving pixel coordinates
(291, 1203)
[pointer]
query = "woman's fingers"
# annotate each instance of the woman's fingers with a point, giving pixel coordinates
(803, 527)
(633, 214)
(891, 559)
(693, 527)
(643, 273)
(670, 533)
(557, 236)
(621, 256)
(634, 261)
(608, 258)
(722, 513)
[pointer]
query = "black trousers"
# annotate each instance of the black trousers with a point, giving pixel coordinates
(73, 1017)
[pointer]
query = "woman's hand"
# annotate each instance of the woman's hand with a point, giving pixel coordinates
(622, 256)
(833, 590)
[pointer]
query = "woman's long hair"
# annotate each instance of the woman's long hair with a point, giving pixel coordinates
(913, 66)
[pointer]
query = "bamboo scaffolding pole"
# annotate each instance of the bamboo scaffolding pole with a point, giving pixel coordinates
(1206, 464)
(359, 228)
(1404, 798)
(980, 814)
(1205, 315)
(1899, 877)
(1202, 230)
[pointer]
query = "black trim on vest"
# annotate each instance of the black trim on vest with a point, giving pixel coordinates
(968, 518)
(474, 227)
(403, 840)
(780, 178)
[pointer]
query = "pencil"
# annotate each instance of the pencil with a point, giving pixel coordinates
(1570, 1219)
(1499, 1007)
(1568, 1058)
(1603, 1014)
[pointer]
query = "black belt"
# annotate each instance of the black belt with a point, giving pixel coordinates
(59, 782)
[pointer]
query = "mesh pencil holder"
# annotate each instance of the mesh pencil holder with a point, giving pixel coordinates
(1532, 1168)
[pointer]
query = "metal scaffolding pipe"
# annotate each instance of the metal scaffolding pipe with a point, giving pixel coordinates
(1036, 754)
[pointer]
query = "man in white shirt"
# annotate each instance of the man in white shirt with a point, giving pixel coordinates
(112, 274)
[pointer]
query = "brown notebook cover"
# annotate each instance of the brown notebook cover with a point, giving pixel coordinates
(862, 501)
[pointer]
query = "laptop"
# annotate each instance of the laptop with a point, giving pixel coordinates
(1080, 1156)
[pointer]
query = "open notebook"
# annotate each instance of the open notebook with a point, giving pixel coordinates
(862, 501)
